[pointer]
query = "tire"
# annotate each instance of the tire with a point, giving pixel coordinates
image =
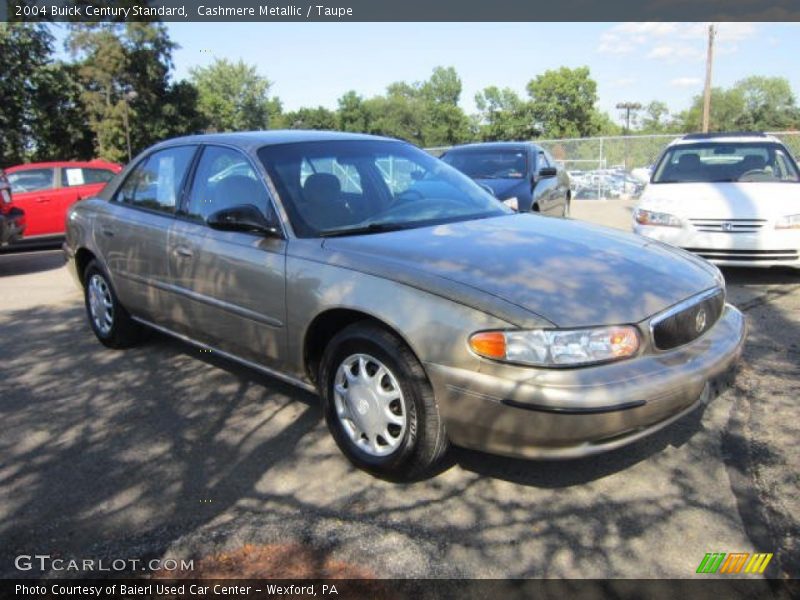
(109, 320)
(414, 438)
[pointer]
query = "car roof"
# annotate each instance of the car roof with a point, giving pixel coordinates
(725, 137)
(63, 163)
(256, 139)
(493, 146)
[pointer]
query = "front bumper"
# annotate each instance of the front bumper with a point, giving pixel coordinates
(768, 247)
(569, 413)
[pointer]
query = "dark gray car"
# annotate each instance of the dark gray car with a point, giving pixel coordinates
(421, 309)
(522, 175)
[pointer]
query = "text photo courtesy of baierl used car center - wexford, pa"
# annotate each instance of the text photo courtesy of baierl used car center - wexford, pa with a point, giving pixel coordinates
(399, 300)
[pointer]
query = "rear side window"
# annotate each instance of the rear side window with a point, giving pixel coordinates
(156, 182)
(224, 178)
(74, 176)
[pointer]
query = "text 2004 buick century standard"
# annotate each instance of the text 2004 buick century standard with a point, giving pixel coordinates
(422, 310)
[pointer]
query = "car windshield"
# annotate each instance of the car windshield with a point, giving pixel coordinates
(726, 162)
(351, 187)
(488, 164)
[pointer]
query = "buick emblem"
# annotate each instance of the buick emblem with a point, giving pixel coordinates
(726, 226)
(700, 320)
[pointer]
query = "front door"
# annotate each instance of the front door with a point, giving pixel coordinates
(34, 191)
(229, 285)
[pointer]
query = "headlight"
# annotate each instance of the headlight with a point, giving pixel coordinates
(512, 203)
(789, 222)
(648, 217)
(557, 347)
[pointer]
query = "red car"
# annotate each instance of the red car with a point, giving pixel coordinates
(44, 191)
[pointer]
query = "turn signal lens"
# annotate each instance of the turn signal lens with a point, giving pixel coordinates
(491, 344)
(788, 222)
(557, 347)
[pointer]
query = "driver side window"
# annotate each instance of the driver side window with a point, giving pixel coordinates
(224, 179)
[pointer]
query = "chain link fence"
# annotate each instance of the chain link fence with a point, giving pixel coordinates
(617, 166)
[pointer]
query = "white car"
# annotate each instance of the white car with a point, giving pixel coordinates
(734, 199)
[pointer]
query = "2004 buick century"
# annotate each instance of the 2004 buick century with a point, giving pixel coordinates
(422, 310)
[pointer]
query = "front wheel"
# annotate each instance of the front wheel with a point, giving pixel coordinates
(109, 320)
(379, 405)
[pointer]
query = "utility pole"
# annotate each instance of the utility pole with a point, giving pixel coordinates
(127, 98)
(628, 107)
(712, 32)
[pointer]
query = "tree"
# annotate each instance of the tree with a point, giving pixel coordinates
(656, 117)
(562, 102)
(58, 127)
(754, 103)
(234, 97)
(124, 71)
(352, 114)
(310, 118)
(503, 115)
(769, 103)
(25, 50)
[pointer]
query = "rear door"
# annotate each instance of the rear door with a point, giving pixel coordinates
(34, 191)
(229, 286)
(132, 232)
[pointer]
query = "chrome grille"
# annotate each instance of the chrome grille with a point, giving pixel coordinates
(745, 255)
(728, 225)
(687, 320)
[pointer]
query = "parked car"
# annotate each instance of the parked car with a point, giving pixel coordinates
(12, 219)
(421, 309)
(731, 198)
(522, 175)
(44, 191)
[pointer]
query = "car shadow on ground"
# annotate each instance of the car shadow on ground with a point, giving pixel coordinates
(753, 276)
(23, 262)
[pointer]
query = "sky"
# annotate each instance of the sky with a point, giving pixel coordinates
(313, 64)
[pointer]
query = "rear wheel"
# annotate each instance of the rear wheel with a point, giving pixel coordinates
(379, 405)
(109, 320)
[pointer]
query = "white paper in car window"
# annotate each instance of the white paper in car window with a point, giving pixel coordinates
(166, 181)
(74, 177)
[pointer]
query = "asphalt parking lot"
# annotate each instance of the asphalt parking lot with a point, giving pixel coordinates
(164, 451)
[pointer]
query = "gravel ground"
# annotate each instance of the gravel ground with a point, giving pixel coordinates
(165, 451)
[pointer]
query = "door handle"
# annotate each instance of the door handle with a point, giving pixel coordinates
(183, 251)
(41, 200)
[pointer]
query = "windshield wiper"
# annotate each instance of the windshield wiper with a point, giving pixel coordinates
(365, 229)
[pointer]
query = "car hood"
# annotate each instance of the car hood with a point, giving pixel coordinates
(572, 274)
(746, 200)
(500, 187)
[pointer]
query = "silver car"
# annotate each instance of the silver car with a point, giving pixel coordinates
(422, 310)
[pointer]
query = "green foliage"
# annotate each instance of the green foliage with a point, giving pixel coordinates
(563, 102)
(309, 118)
(124, 71)
(234, 97)
(24, 50)
(755, 103)
(503, 115)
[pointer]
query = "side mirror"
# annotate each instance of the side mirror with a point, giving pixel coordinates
(488, 189)
(244, 217)
(548, 172)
